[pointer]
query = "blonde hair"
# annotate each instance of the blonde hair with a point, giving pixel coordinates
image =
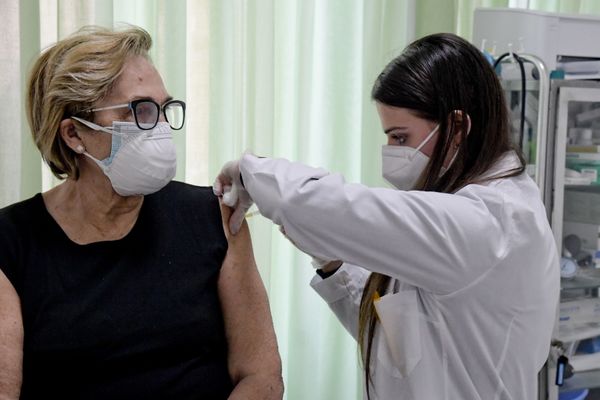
(71, 76)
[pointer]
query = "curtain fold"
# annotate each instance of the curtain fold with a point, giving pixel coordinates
(10, 113)
(197, 51)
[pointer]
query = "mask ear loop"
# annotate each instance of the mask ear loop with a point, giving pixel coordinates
(92, 125)
(468, 118)
(96, 127)
(469, 124)
(82, 150)
(458, 145)
(427, 139)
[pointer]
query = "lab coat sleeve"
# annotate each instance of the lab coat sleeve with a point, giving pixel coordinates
(343, 292)
(437, 241)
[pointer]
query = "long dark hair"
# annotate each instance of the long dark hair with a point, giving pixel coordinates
(434, 77)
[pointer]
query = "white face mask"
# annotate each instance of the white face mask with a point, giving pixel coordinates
(403, 165)
(141, 162)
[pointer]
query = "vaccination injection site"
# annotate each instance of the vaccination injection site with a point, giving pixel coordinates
(300, 200)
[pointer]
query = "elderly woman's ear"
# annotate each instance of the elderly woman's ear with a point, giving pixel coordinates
(69, 134)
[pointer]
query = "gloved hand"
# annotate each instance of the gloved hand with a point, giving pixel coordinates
(316, 262)
(229, 185)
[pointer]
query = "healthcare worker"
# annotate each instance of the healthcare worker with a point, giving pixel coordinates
(449, 283)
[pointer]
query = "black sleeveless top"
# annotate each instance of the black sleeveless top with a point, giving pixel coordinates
(136, 318)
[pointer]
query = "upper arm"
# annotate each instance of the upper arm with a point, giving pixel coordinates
(11, 341)
(248, 323)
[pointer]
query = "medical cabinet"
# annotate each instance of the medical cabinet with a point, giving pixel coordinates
(560, 137)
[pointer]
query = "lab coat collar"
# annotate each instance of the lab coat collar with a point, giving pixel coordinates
(508, 162)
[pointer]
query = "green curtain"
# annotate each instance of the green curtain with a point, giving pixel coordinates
(283, 78)
(19, 166)
(292, 79)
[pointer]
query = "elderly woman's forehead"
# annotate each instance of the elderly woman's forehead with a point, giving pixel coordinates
(139, 78)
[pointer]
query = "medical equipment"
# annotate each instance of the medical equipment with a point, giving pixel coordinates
(587, 240)
(575, 395)
(573, 177)
(582, 204)
(523, 91)
(568, 268)
(579, 311)
(561, 41)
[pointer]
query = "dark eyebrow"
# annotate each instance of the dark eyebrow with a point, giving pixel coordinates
(395, 128)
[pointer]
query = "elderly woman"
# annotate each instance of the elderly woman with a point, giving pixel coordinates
(120, 283)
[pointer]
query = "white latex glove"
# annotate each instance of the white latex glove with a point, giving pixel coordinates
(229, 186)
(317, 263)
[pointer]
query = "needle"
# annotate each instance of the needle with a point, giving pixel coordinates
(252, 214)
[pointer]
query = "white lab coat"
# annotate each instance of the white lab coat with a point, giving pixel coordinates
(471, 307)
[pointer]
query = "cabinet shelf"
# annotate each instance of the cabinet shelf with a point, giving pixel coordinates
(579, 332)
(585, 279)
(584, 188)
(582, 380)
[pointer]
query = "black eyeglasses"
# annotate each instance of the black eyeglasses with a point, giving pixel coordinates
(147, 112)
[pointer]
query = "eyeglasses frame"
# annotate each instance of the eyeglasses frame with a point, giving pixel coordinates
(133, 104)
